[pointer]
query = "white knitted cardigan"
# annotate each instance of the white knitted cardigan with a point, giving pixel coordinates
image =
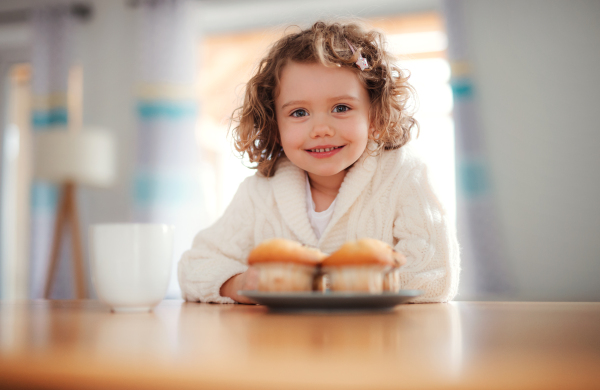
(387, 197)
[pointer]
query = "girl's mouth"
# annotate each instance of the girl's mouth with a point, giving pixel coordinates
(324, 152)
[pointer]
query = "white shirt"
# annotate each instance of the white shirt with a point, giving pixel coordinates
(318, 220)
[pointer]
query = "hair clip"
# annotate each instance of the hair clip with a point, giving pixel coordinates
(362, 61)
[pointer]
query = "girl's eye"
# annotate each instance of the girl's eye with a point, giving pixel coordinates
(341, 108)
(299, 113)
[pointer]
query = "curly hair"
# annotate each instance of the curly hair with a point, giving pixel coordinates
(389, 92)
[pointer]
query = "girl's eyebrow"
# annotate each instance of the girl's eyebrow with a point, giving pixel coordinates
(341, 97)
(290, 103)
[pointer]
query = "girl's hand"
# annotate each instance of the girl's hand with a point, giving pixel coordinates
(244, 281)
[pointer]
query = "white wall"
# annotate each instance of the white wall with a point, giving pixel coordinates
(537, 74)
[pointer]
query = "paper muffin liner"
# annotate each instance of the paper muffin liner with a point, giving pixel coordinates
(391, 280)
(366, 278)
(285, 277)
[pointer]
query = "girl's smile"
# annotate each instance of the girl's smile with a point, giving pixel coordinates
(323, 118)
(324, 151)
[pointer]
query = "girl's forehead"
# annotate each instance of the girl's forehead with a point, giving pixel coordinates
(300, 80)
(316, 72)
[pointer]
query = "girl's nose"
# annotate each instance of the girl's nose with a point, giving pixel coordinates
(321, 129)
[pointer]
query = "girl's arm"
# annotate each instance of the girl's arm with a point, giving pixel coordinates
(218, 253)
(427, 240)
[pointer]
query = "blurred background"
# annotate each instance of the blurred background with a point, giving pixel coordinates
(507, 100)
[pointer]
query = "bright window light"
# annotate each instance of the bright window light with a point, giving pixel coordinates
(421, 42)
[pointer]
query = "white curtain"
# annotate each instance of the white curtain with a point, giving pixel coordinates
(51, 59)
(167, 176)
(485, 273)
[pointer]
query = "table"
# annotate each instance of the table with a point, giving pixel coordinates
(469, 345)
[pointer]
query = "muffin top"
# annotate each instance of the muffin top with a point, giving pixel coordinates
(366, 251)
(281, 250)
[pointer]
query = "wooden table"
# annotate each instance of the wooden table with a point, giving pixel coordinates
(467, 345)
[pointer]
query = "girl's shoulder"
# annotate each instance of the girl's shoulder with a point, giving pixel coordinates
(285, 174)
(403, 158)
(255, 181)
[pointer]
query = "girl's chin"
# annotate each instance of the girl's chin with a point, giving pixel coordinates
(326, 172)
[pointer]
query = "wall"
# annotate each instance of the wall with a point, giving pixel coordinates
(537, 73)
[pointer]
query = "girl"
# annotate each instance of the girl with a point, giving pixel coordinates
(326, 121)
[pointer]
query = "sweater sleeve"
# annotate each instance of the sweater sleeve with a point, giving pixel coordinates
(427, 240)
(218, 252)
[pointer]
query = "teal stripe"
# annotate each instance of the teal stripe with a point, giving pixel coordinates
(44, 196)
(154, 109)
(42, 119)
(154, 188)
(473, 178)
(462, 88)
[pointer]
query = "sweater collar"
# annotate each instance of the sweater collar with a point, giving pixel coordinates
(353, 185)
(290, 195)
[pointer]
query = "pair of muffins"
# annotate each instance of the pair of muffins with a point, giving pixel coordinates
(366, 265)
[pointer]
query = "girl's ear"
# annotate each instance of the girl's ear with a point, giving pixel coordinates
(375, 133)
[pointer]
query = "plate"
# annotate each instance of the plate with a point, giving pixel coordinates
(331, 300)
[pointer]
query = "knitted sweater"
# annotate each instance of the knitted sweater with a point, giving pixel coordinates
(387, 197)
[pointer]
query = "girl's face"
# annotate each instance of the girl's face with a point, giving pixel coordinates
(323, 118)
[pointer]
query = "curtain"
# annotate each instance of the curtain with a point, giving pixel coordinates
(485, 270)
(51, 59)
(167, 176)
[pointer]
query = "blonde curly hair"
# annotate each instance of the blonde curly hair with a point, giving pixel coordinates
(326, 43)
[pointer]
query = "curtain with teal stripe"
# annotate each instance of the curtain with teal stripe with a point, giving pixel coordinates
(485, 270)
(166, 187)
(51, 59)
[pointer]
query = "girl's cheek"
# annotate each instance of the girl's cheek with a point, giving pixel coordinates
(359, 130)
(289, 138)
(293, 134)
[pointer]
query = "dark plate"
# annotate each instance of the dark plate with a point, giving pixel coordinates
(331, 300)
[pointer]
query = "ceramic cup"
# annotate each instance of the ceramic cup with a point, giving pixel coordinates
(131, 264)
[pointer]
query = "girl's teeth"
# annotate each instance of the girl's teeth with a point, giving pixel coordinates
(322, 150)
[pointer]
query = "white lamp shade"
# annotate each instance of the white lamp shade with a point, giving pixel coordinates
(86, 157)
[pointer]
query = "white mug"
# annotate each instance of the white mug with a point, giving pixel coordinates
(131, 264)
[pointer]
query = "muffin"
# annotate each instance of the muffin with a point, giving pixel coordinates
(285, 265)
(366, 265)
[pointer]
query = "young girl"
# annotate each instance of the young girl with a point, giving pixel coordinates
(325, 118)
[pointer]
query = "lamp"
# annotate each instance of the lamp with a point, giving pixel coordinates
(70, 157)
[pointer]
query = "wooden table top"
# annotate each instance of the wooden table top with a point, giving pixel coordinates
(467, 345)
